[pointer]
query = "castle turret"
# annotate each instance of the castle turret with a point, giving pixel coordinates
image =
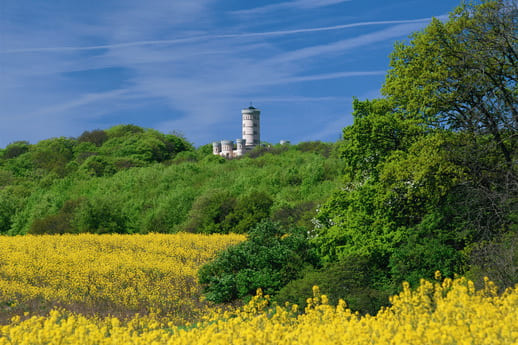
(251, 127)
(216, 148)
(240, 147)
(227, 147)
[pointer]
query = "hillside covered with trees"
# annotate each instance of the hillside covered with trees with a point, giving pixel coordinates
(131, 180)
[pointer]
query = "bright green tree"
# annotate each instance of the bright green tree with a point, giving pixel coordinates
(462, 73)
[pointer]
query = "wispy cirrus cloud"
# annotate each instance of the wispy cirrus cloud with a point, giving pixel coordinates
(81, 101)
(288, 5)
(201, 38)
(326, 76)
(347, 44)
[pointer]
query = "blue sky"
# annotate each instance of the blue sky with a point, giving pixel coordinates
(190, 66)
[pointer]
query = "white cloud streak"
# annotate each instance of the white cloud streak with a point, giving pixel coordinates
(288, 5)
(347, 44)
(202, 38)
(326, 76)
(297, 99)
(84, 100)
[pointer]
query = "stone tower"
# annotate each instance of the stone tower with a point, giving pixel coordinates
(216, 148)
(251, 126)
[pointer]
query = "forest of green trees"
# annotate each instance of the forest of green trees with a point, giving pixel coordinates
(132, 180)
(425, 179)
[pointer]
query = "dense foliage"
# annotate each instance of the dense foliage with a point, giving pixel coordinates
(131, 180)
(430, 171)
(268, 259)
(431, 177)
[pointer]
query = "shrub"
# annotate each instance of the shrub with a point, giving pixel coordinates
(15, 149)
(269, 259)
(59, 223)
(248, 211)
(351, 279)
(98, 166)
(319, 147)
(209, 211)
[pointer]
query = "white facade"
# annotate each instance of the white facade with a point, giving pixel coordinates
(251, 126)
(240, 147)
(251, 131)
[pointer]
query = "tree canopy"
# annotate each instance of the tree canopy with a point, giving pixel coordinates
(431, 169)
(462, 73)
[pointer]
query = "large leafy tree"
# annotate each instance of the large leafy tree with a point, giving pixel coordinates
(462, 73)
(431, 170)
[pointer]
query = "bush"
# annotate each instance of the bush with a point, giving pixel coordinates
(59, 223)
(248, 211)
(420, 257)
(53, 155)
(209, 211)
(318, 147)
(300, 214)
(123, 130)
(98, 166)
(351, 279)
(269, 259)
(15, 149)
(261, 150)
(496, 259)
(102, 216)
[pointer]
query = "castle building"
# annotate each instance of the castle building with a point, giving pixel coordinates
(251, 136)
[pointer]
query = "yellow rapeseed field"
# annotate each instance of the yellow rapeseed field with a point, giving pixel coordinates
(141, 289)
(106, 274)
(448, 313)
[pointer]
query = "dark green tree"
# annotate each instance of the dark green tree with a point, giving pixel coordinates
(249, 210)
(53, 155)
(268, 259)
(15, 149)
(96, 137)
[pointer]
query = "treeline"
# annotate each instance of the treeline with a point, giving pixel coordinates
(132, 180)
(430, 178)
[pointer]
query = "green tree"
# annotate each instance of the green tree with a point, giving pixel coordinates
(249, 210)
(53, 155)
(431, 170)
(209, 211)
(268, 259)
(379, 129)
(97, 166)
(144, 145)
(462, 73)
(15, 149)
(96, 137)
